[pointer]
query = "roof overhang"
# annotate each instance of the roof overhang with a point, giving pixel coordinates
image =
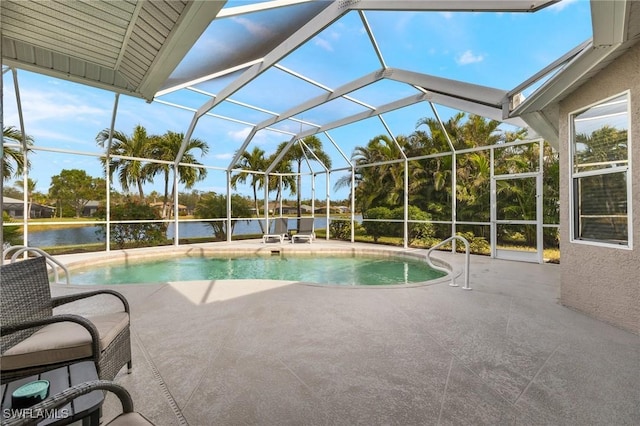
(616, 28)
(123, 46)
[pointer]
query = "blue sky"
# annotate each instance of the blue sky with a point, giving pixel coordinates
(492, 49)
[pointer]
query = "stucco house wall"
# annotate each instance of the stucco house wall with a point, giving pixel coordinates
(600, 281)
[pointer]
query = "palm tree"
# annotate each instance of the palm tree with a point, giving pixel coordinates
(429, 178)
(13, 164)
(297, 155)
(438, 138)
(479, 131)
(167, 147)
(377, 186)
(284, 167)
(31, 188)
(131, 170)
(253, 161)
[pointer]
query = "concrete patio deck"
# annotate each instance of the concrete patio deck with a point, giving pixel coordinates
(259, 352)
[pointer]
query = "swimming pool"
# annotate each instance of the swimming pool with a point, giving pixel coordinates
(317, 269)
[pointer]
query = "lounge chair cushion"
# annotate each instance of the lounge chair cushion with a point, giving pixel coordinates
(306, 237)
(63, 341)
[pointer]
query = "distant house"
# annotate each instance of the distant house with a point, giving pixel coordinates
(286, 209)
(182, 209)
(90, 208)
(334, 209)
(15, 209)
(274, 209)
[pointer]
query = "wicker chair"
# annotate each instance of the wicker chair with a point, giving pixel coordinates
(59, 400)
(33, 339)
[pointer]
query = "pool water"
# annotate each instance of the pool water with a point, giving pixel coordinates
(337, 270)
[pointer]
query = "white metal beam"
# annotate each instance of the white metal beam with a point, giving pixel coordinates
(257, 7)
(454, 88)
(472, 98)
(539, 122)
(194, 21)
(454, 5)
(319, 85)
(555, 88)
(548, 69)
(280, 156)
(319, 100)
(609, 20)
(372, 38)
(209, 77)
(322, 20)
(401, 103)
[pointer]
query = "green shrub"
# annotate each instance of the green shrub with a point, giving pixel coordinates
(12, 235)
(377, 229)
(212, 205)
(417, 231)
(340, 229)
(133, 234)
(477, 245)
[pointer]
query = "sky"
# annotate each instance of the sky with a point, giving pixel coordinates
(498, 50)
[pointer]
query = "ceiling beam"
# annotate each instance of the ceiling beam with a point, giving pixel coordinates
(609, 20)
(193, 21)
(454, 5)
(555, 88)
(401, 103)
(322, 20)
(257, 7)
(472, 98)
(392, 106)
(544, 127)
(454, 88)
(311, 103)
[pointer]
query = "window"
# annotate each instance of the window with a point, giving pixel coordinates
(600, 167)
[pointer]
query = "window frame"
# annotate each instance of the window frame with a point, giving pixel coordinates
(575, 176)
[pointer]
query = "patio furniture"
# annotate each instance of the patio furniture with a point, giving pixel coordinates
(85, 408)
(33, 339)
(55, 403)
(305, 231)
(280, 232)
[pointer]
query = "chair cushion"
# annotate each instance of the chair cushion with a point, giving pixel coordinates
(63, 341)
(130, 419)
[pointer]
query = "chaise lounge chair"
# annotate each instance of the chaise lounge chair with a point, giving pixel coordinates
(280, 232)
(33, 339)
(305, 233)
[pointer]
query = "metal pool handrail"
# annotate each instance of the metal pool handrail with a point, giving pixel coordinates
(51, 261)
(466, 261)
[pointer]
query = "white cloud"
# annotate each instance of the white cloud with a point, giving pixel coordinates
(323, 43)
(40, 105)
(61, 115)
(252, 27)
(447, 15)
(224, 156)
(468, 57)
(327, 38)
(557, 7)
(239, 135)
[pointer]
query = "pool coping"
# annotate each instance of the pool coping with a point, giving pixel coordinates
(257, 247)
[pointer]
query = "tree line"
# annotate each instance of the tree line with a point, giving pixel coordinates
(380, 190)
(376, 187)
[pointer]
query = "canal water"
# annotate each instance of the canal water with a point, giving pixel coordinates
(90, 234)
